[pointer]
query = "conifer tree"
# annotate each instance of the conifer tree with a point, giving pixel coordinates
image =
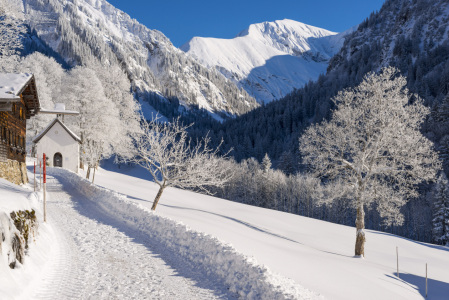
(266, 163)
(440, 222)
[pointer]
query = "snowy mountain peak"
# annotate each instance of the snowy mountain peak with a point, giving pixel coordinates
(286, 35)
(269, 59)
(287, 25)
(87, 32)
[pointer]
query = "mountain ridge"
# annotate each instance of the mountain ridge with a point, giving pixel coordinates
(269, 59)
(87, 31)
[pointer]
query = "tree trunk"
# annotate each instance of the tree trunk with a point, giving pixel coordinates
(93, 176)
(158, 196)
(82, 151)
(360, 235)
(88, 172)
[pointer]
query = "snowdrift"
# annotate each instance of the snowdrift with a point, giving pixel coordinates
(242, 274)
(13, 282)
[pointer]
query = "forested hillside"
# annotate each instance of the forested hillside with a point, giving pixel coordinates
(411, 35)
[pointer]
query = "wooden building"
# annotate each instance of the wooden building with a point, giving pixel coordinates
(18, 102)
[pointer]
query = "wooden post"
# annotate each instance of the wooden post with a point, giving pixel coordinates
(397, 261)
(426, 280)
(34, 171)
(45, 191)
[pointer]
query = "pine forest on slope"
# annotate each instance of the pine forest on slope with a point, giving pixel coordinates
(411, 35)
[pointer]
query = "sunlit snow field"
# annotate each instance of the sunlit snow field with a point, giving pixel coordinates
(316, 254)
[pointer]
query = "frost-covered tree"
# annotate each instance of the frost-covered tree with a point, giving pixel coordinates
(440, 221)
(373, 145)
(48, 74)
(116, 87)
(266, 163)
(165, 150)
(98, 123)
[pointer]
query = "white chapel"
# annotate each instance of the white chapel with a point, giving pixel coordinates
(59, 143)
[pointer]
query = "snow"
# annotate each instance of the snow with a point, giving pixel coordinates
(206, 254)
(59, 109)
(13, 282)
(58, 112)
(12, 84)
(153, 63)
(149, 112)
(98, 257)
(9, 191)
(269, 59)
(102, 241)
(315, 254)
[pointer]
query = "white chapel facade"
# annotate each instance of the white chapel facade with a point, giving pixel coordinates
(60, 145)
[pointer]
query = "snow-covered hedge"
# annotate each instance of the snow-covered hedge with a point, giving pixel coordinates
(241, 274)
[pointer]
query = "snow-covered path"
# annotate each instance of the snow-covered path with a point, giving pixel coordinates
(95, 257)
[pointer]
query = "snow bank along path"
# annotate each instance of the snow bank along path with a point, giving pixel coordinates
(206, 257)
(92, 259)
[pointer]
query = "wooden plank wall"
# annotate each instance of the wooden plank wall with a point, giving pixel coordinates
(13, 131)
(3, 141)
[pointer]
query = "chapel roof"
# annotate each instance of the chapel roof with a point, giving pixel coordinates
(56, 120)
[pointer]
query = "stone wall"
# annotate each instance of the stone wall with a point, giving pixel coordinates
(14, 171)
(17, 231)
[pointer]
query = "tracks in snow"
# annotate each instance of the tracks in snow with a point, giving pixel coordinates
(93, 260)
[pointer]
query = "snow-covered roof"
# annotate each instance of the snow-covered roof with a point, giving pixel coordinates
(44, 132)
(12, 85)
(59, 110)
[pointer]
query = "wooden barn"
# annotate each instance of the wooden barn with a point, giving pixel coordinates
(18, 102)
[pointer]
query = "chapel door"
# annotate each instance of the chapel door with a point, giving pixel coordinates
(57, 160)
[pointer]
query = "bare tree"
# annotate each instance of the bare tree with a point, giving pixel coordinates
(373, 145)
(165, 150)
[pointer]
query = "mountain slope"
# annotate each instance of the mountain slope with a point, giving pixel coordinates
(88, 31)
(269, 59)
(411, 35)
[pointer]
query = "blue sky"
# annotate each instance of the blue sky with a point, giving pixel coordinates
(182, 20)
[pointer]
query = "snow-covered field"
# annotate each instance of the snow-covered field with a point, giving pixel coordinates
(318, 255)
(102, 244)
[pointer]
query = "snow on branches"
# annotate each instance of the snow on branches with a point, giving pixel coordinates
(165, 150)
(373, 145)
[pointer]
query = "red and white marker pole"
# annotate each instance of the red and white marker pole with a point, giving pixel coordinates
(45, 192)
(40, 173)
